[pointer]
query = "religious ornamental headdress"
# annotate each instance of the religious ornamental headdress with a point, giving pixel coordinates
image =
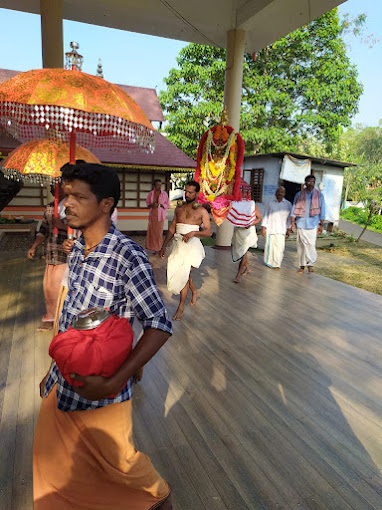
(218, 167)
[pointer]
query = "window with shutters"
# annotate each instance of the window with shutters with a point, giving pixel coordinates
(137, 184)
(257, 179)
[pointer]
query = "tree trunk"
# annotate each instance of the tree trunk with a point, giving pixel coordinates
(366, 224)
(347, 189)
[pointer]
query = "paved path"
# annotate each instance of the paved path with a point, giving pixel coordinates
(352, 228)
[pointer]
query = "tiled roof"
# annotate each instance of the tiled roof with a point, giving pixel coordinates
(7, 74)
(165, 154)
(146, 98)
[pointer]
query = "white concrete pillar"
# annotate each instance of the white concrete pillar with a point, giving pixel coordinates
(234, 76)
(232, 100)
(52, 33)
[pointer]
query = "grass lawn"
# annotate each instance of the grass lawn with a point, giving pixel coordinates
(357, 264)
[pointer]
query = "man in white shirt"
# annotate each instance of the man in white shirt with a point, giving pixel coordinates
(276, 227)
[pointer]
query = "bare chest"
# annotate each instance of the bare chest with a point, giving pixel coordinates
(190, 216)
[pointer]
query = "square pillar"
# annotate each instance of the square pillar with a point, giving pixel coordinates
(52, 34)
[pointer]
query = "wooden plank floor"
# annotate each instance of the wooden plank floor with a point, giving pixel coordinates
(268, 396)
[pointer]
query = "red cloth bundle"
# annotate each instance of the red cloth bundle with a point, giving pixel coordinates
(98, 351)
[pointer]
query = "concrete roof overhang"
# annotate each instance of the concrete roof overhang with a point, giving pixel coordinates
(199, 21)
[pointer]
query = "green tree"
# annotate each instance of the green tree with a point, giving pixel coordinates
(303, 85)
(363, 184)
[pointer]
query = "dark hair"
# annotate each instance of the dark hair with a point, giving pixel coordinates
(103, 181)
(311, 176)
(195, 184)
(157, 180)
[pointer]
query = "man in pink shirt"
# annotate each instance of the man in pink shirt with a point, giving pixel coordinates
(158, 203)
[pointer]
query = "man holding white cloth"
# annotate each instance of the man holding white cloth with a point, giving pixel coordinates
(187, 251)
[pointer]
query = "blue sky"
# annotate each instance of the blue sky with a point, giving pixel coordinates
(140, 60)
(368, 60)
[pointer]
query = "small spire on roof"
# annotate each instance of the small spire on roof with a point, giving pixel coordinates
(99, 69)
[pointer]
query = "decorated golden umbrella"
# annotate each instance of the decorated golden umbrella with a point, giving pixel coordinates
(73, 106)
(66, 103)
(40, 161)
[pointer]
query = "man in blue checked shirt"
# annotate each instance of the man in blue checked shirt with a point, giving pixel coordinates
(308, 214)
(84, 456)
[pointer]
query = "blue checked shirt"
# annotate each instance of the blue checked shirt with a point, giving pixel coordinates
(116, 275)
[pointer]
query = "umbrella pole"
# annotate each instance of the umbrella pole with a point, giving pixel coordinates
(56, 198)
(72, 161)
(72, 148)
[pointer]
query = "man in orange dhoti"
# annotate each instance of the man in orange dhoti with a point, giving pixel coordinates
(158, 203)
(84, 457)
(55, 260)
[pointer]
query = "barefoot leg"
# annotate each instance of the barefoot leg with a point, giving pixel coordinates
(246, 268)
(195, 292)
(183, 295)
(240, 270)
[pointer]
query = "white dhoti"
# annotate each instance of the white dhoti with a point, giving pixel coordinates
(242, 240)
(306, 246)
(183, 257)
(274, 250)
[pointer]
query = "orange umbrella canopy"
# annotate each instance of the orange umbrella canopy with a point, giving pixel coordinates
(40, 161)
(101, 114)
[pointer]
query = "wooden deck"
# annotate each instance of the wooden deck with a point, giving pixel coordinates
(268, 396)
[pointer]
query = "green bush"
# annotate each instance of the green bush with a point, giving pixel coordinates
(359, 216)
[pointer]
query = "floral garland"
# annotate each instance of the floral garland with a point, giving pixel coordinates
(211, 173)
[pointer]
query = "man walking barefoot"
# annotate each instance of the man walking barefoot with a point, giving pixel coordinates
(187, 251)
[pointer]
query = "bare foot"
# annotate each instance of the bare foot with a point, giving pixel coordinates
(310, 269)
(246, 271)
(301, 270)
(178, 315)
(194, 297)
(45, 326)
